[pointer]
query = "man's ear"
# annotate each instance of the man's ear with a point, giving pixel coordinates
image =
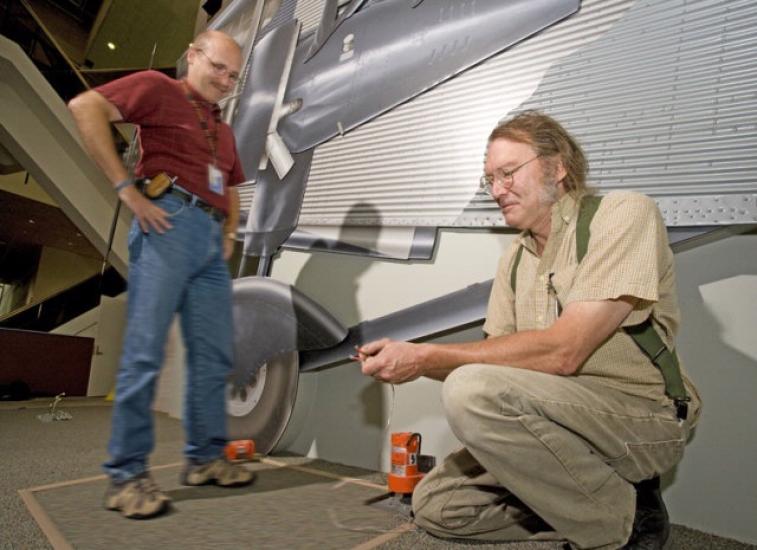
(191, 54)
(560, 171)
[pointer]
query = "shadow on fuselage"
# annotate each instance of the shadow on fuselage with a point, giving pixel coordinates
(345, 410)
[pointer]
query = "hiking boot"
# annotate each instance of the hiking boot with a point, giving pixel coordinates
(651, 528)
(219, 471)
(137, 498)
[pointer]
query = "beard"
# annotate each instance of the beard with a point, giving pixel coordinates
(550, 192)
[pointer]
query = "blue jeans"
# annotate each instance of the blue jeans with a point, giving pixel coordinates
(181, 271)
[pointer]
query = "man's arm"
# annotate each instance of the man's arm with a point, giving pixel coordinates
(231, 224)
(560, 349)
(93, 115)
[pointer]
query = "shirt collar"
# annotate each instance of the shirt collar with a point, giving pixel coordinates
(564, 210)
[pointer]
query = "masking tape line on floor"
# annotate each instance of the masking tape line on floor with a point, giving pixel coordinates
(46, 525)
(314, 471)
(381, 539)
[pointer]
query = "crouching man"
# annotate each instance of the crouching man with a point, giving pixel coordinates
(575, 404)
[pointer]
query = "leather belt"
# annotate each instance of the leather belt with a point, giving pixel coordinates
(192, 199)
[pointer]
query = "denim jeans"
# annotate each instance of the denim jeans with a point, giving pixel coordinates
(546, 457)
(180, 271)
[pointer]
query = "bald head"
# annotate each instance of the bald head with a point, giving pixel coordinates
(214, 61)
(206, 38)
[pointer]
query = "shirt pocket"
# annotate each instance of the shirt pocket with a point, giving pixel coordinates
(560, 284)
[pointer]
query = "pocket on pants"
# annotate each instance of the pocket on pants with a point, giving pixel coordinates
(171, 204)
(134, 240)
(646, 459)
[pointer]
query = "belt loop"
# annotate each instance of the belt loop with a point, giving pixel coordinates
(193, 201)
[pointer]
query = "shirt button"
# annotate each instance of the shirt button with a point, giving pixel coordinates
(542, 278)
(540, 318)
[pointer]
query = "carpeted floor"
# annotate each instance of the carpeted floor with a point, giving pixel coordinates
(294, 502)
(284, 508)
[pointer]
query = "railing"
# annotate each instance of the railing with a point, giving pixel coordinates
(19, 23)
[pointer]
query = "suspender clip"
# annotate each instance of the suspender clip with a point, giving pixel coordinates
(682, 407)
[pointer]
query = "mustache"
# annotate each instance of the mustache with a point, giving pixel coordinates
(549, 194)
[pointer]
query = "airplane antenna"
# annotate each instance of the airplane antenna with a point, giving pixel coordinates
(152, 55)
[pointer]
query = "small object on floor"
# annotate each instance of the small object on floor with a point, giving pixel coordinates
(219, 472)
(240, 449)
(651, 527)
(53, 414)
(408, 465)
(137, 498)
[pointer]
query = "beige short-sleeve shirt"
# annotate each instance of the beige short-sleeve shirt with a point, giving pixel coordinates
(628, 255)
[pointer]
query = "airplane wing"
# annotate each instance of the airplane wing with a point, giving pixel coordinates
(391, 51)
(374, 58)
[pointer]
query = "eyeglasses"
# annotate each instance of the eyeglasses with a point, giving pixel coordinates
(219, 68)
(500, 177)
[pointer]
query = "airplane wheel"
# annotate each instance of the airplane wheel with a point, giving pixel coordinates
(260, 407)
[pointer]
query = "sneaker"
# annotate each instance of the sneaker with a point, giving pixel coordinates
(219, 471)
(651, 527)
(137, 498)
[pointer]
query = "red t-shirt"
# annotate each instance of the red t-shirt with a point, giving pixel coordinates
(171, 136)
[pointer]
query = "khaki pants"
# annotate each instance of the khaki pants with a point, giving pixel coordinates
(546, 457)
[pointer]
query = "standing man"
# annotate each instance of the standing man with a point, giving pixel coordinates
(178, 243)
(566, 423)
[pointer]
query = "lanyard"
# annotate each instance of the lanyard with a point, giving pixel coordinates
(210, 135)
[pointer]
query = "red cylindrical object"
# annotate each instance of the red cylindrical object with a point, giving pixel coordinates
(240, 449)
(406, 446)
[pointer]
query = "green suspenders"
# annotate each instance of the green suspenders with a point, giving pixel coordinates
(644, 333)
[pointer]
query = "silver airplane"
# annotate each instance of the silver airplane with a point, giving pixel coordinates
(363, 59)
(299, 91)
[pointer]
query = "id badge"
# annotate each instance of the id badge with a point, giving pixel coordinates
(215, 180)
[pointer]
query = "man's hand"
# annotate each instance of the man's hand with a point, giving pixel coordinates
(93, 115)
(228, 247)
(231, 224)
(391, 361)
(147, 213)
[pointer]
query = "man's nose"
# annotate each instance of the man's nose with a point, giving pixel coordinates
(499, 191)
